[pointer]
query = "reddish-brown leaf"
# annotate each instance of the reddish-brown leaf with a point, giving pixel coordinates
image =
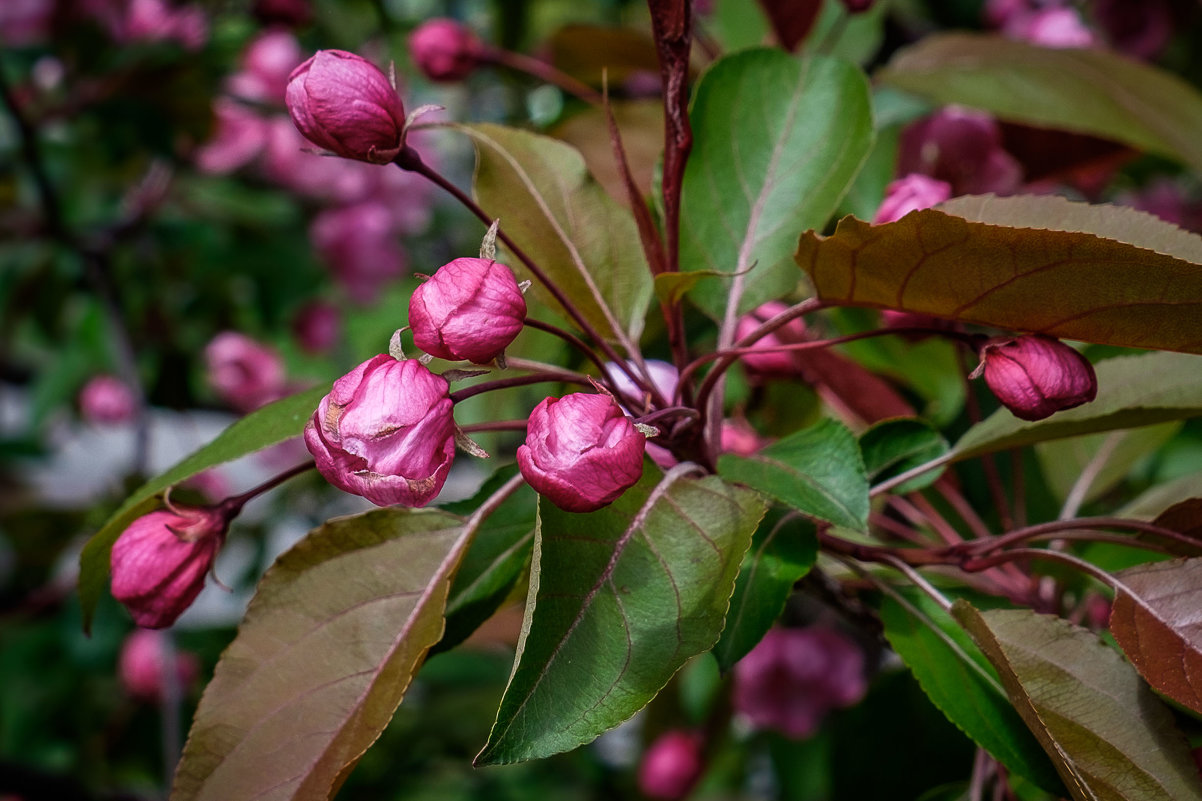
(791, 19)
(1043, 264)
(1157, 619)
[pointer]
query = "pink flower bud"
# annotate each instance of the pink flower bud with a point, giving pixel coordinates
(672, 765)
(771, 363)
(581, 451)
(793, 677)
(107, 399)
(361, 246)
(345, 104)
(156, 21)
(243, 372)
(142, 665)
(962, 147)
(266, 66)
(445, 50)
(159, 563)
(738, 437)
(469, 309)
(1051, 27)
(1036, 376)
(238, 137)
(914, 192)
(317, 327)
(385, 432)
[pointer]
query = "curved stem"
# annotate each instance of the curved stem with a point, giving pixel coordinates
(233, 504)
(982, 547)
(570, 338)
(517, 381)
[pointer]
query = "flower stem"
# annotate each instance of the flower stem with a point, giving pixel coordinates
(233, 504)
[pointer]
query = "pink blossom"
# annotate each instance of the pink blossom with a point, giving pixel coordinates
(107, 399)
(238, 137)
(794, 677)
(290, 162)
(581, 451)
(771, 362)
(317, 326)
(142, 665)
(469, 309)
(1035, 376)
(266, 65)
(664, 377)
(1057, 27)
(672, 765)
(445, 50)
(738, 437)
(157, 21)
(245, 374)
(385, 432)
(361, 246)
(345, 104)
(913, 192)
(160, 561)
(963, 148)
(1165, 198)
(25, 22)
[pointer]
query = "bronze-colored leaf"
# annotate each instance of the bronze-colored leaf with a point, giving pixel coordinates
(1157, 619)
(1100, 274)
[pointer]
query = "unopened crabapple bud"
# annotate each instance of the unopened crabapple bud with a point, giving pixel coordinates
(160, 561)
(385, 432)
(794, 677)
(581, 451)
(912, 192)
(107, 399)
(142, 665)
(469, 309)
(1035, 376)
(445, 50)
(771, 362)
(672, 765)
(345, 104)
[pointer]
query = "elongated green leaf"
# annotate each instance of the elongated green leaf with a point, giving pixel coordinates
(1101, 274)
(267, 426)
(1155, 620)
(959, 680)
(1094, 91)
(1132, 391)
(335, 633)
(1107, 734)
(817, 471)
(561, 217)
(776, 143)
(782, 552)
(892, 447)
(619, 599)
(1103, 460)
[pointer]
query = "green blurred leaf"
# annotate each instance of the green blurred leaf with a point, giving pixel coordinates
(619, 599)
(1107, 734)
(776, 144)
(1103, 459)
(817, 471)
(1155, 620)
(1132, 391)
(563, 219)
(336, 631)
(960, 681)
(782, 552)
(1094, 91)
(1100, 274)
(641, 123)
(892, 447)
(273, 423)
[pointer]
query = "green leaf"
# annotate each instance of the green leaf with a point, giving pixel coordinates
(1107, 734)
(776, 143)
(1093, 91)
(336, 631)
(959, 680)
(273, 423)
(892, 447)
(619, 599)
(1155, 621)
(562, 218)
(641, 123)
(782, 552)
(817, 471)
(1103, 459)
(1102, 274)
(496, 560)
(1132, 391)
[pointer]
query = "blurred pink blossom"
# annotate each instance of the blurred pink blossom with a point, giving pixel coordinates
(912, 192)
(317, 326)
(142, 665)
(266, 65)
(245, 374)
(1165, 198)
(672, 765)
(771, 362)
(154, 21)
(361, 246)
(25, 22)
(962, 147)
(738, 437)
(1057, 27)
(238, 137)
(107, 399)
(1139, 29)
(794, 677)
